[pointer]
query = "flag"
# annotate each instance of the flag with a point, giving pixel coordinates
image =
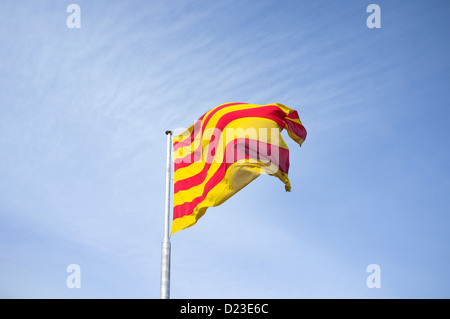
(226, 149)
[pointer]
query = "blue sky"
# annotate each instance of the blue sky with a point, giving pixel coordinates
(82, 148)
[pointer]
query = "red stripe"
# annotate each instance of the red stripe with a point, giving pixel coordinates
(193, 157)
(191, 138)
(294, 127)
(188, 208)
(271, 112)
(218, 108)
(236, 148)
(200, 123)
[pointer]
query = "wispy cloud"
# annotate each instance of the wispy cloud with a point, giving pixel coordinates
(82, 143)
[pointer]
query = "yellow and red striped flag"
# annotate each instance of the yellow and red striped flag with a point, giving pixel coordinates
(226, 149)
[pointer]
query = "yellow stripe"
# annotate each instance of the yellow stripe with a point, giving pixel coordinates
(188, 131)
(193, 192)
(186, 150)
(238, 175)
(214, 119)
(183, 135)
(292, 135)
(186, 172)
(189, 149)
(241, 127)
(284, 108)
(213, 123)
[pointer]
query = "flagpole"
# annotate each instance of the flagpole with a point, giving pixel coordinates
(165, 247)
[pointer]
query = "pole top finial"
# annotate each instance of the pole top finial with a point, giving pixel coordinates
(168, 132)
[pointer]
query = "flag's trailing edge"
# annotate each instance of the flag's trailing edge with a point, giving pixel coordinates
(226, 149)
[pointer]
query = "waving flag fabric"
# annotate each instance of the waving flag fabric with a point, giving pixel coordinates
(226, 149)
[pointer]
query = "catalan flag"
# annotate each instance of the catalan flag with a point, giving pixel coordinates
(226, 149)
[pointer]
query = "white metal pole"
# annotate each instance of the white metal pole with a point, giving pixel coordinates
(165, 247)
